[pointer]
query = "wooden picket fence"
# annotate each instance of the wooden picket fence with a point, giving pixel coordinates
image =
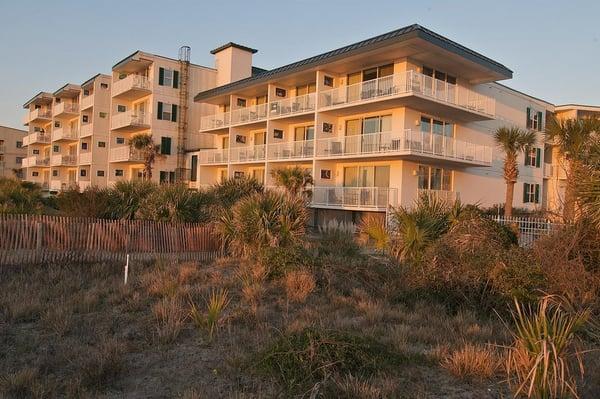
(27, 239)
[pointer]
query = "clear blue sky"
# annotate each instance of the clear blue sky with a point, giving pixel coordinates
(553, 50)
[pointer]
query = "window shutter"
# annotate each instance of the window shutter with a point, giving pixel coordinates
(165, 145)
(528, 122)
(163, 176)
(538, 157)
(537, 193)
(174, 114)
(175, 79)
(161, 76)
(160, 111)
(525, 191)
(527, 156)
(194, 167)
(540, 121)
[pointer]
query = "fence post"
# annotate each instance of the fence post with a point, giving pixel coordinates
(40, 230)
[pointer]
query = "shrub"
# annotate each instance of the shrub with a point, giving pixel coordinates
(263, 220)
(294, 179)
(280, 260)
(21, 384)
(93, 202)
(127, 197)
(102, 365)
(303, 358)
(337, 238)
(540, 360)
(20, 197)
(170, 317)
(230, 191)
(471, 362)
(299, 284)
(216, 303)
(374, 231)
(175, 203)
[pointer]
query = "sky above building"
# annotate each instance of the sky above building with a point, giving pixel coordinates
(554, 50)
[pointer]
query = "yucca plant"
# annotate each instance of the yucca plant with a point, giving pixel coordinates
(210, 319)
(542, 358)
(375, 230)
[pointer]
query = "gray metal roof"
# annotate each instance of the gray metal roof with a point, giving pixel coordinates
(396, 35)
(232, 44)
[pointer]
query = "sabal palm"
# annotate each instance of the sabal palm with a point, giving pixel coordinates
(143, 142)
(513, 141)
(295, 180)
(573, 138)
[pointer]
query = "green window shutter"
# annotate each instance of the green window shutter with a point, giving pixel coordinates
(540, 115)
(537, 193)
(174, 114)
(163, 176)
(161, 76)
(527, 157)
(528, 121)
(175, 79)
(525, 190)
(165, 145)
(194, 168)
(160, 111)
(538, 157)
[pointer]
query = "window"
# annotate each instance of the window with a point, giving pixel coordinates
(104, 85)
(534, 119)
(84, 146)
(165, 145)
(326, 174)
(120, 140)
(279, 92)
(328, 81)
(36, 152)
(533, 157)
(303, 133)
(86, 92)
(19, 160)
(241, 102)
(531, 193)
(119, 172)
(327, 127)
(194, 168)
(35, 174)
(102, 115)
(19, 144)
(277, 133)
(366, 176)
(83, 173)
(168, 77)
(438, 75)
(55, 148)
(57, 124)
(167, 112)
(435, 126)
(370, 74)
(432, 178)
(101, 144)
(166, 177)
(100, 173)
(55, 173)
(85, 118)
(121, 108)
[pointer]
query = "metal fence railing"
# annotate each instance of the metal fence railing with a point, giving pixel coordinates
(529, 229)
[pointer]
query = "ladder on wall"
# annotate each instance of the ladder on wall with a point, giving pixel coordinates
(181, 173)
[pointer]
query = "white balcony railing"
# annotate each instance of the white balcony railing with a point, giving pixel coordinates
(404, 142)
(65, 133)
(377, 198)
(409, 82)
(248, 153)
(57, 185)
(63, 160)
(87, 101)
(216, 156)
(65, 108)
(125, 154)
(129, 119)
(292, 105)
(131, 82)
(444, 195)
(39, 113)
(86, 130)
(34, 161)
(291, 150)
(215, 121)
(85, 158)
(253, 113)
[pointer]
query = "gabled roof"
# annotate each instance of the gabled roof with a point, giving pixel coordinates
(401, 34)
(42, 95)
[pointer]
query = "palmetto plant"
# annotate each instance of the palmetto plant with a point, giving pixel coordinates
(216, 302)
(128, 196)
(540, 361)
(295, 180)
(512, 141)
(143, 142)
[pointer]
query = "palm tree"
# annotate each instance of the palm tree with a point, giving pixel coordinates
(512, 141)
(573, 138)
(143, 142)
(295, 180)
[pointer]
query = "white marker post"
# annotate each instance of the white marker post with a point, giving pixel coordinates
(126, 269)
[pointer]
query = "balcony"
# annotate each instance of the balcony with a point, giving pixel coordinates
(292, 106)
(87, 102)
(291, 150)
(65, 110)
(413, 89)
(409, 144)
(86, 130)
(216, 121)
(129, 121)
(36, 161)
(210, 157)
(65, 133)
(443, 195)
(252, 114)
(37, 115)
(252, 153)
(37, 138)
(362, 198)
(125, 154)
(58, 185)
(132, 87)
(84, 184)
(63, 160)
(85, 158)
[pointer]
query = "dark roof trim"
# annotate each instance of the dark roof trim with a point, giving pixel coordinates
(232, 44)
(90, 80)
(68, 84)
(130, 56)
(405, 33)
(40, 94)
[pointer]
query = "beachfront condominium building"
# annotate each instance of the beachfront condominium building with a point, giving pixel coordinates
(38, 142)
(376, 123)
(12, 152)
